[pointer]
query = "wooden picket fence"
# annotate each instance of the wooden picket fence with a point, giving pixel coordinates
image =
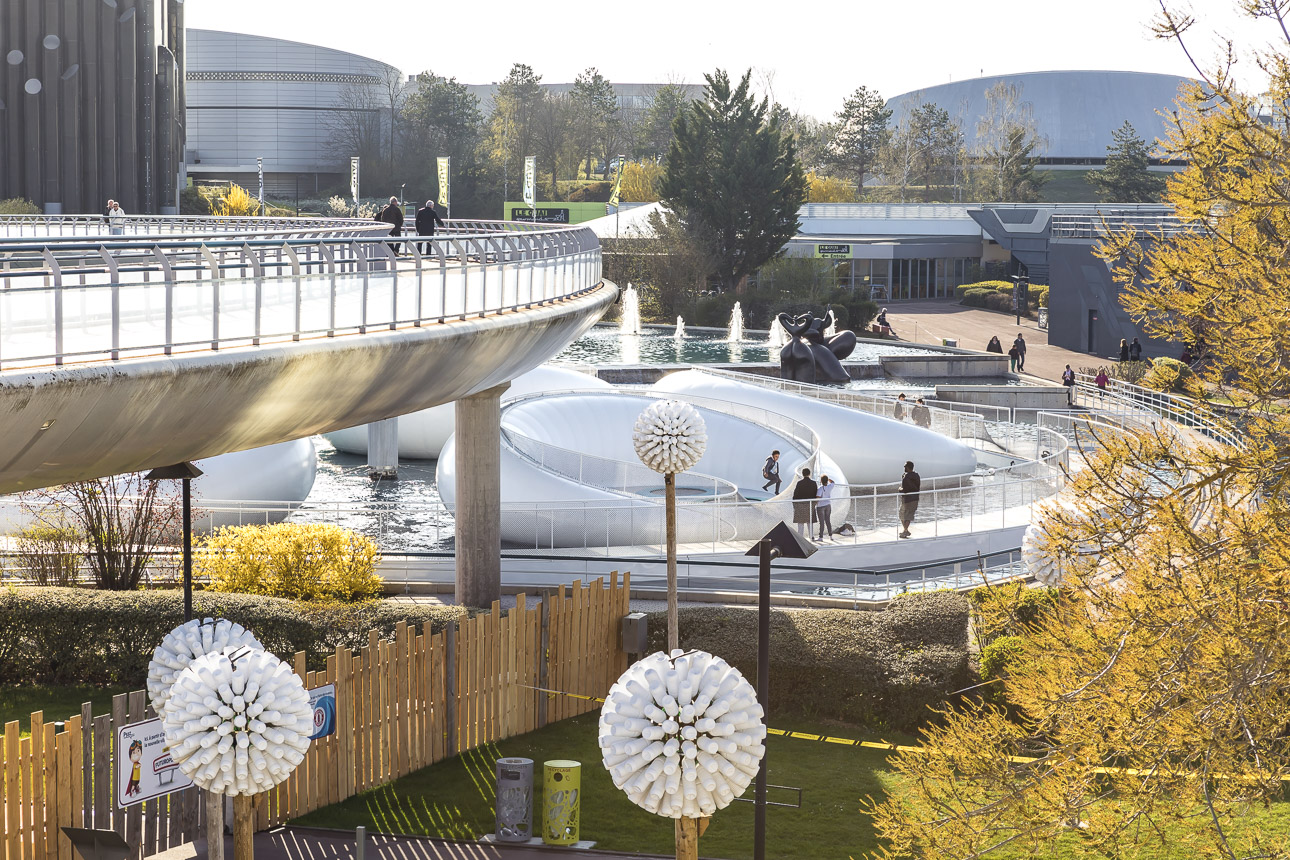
(401, 704)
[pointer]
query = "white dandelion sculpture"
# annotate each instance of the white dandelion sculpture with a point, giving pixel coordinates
(670, 436)
(238, 722)
(682, 735)
(185, 643)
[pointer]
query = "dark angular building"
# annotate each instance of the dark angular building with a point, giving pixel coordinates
(92, 103)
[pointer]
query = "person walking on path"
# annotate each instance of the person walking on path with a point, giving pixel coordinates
(824, 507)
(994, 345)
(1100, 380)
(426, 220)
(898, 411)
(804, 494)
(1068, 379)
(1135, 351)
(1020, 344)
(770, 471)
(116, 218)
(1124, 350)
(1013, 355)
(392, 215)
(921, 414)
(910, 486)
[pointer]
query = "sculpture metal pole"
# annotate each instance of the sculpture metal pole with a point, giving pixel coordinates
(673, 634)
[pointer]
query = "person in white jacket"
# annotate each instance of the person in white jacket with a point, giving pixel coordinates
(116, 218)
(824, 507)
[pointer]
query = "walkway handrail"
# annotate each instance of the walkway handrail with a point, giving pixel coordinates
(1142, 406)
(156, 295)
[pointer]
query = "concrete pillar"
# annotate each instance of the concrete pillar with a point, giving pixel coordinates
(383, 448)
(479, 497)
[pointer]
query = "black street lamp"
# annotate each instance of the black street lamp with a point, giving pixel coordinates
(184, 471)
(1020, 290)
(779, 542)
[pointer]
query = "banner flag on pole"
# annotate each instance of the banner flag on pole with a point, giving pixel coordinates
(530, 182)
(618, 184)
(445, 178)
(353, 178)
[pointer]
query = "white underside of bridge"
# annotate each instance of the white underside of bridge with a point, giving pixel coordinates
(104, 418)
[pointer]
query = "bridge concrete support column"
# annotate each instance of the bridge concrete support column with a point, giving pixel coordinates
(383, 448)
(479, 497)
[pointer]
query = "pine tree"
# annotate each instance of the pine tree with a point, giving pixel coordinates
(733, 179)
(1125, 179)
(859, 135)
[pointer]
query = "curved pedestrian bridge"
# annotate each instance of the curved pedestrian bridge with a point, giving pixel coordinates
(184, 338)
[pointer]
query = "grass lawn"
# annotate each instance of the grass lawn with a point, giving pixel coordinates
(454, 798)
(58, 703)
(1067, 186)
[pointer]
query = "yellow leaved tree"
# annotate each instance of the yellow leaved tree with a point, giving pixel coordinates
(1146, 712)
(640, 182)
(828, 189)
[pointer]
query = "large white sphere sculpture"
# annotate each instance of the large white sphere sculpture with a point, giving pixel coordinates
(184, 644)
(238, 722)
(670, 436)
(682, 735)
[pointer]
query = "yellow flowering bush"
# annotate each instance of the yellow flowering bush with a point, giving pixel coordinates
(293, 560)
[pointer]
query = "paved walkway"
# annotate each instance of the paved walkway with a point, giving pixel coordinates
(928, 322)
(310, 843)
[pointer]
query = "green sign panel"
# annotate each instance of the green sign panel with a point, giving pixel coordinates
(833, 252)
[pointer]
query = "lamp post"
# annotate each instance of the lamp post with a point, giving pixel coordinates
(184, 471)
(779, 542)
(1020, 287)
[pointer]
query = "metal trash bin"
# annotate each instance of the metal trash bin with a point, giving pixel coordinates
(514, 799)
(950, 342)
(561, 796)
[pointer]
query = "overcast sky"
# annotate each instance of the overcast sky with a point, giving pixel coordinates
(813, 53)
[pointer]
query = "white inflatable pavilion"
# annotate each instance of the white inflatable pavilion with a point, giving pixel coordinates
(422, 434)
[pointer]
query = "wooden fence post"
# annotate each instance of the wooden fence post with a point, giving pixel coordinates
(450, 689)
(543, 658)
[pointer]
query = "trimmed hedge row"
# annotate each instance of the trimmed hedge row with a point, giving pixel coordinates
(879, 668)
(997, 295)
(77, 636)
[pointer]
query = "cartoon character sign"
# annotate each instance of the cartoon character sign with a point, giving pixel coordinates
(136, 755)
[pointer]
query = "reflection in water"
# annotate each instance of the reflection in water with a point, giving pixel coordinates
(606, 346)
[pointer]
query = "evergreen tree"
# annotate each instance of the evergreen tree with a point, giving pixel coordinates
(859, 135)
(440, 117)
(1125, 179)
(596, 116)
(733, 179)
(512, 126)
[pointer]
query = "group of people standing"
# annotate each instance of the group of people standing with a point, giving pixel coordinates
(1016, 353)
(813, 502)
(1130, 351)
(115, 217)
(919, 413)
(425, 221)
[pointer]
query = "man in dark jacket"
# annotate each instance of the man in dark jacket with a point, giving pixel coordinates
(392, 215)
(427, 218)
(910, 486)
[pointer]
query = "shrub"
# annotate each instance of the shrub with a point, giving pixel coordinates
(1039, 297)
(49, 553)
(883, 668)
(1171, 375)
(193, 202)
(996, 660)
(297, 561)
(1007, 610)
(988, 286)
(74, 636)
(18, 206)
(237, 202)
(591, 192)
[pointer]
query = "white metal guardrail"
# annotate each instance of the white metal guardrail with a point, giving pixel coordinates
(66, 301)
(1137, 406)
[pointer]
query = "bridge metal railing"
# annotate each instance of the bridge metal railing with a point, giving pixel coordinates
(89, 300)
(1136, 406)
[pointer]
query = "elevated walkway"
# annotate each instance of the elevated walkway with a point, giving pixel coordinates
(122, 353)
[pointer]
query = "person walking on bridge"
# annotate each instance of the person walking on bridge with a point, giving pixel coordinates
(426, 220)
(392, 215)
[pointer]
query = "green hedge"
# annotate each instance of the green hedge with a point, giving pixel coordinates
(880, 668)
(69, 635)
(997, 295)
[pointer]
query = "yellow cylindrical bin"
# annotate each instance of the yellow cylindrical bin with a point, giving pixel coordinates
(562, 795)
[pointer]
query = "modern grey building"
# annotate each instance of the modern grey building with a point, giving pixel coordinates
(284, 102)
(92, 103)
(1074, 111)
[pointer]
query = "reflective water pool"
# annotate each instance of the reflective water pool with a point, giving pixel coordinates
(607, 346)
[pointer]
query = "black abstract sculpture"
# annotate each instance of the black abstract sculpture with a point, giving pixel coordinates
(808, 357)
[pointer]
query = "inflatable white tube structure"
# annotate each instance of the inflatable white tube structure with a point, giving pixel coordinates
(870, 449)
(570, 475)
(422, 434)
(265, 482)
